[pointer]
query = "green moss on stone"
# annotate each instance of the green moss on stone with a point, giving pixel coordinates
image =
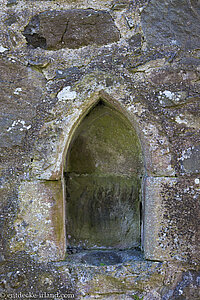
(103, 182)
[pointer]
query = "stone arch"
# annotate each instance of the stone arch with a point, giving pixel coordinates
(89, 104)
(45, 190)
(105, 210)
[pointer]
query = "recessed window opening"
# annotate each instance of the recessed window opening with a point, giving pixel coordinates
(103, 182)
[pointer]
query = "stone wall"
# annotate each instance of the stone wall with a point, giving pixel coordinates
(58, 58)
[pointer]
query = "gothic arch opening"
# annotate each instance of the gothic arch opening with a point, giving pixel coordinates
(103, 173)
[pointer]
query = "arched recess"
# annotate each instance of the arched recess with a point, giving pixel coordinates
(102, 176)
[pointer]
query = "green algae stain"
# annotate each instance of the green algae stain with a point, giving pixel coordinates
(103, 182)
(103, 211)
(105, 142)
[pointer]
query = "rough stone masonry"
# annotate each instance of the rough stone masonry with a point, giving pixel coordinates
(59, 60)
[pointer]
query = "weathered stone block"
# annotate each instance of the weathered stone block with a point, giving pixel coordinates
(21, 92)
(190, 160)
(40, 223)
(153, 218)
(170, 222)
(172, 23)
(135, 41)
(71, 29)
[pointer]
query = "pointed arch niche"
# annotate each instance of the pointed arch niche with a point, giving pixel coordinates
(102, 181)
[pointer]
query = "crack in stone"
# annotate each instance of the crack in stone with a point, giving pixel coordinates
(62, 37)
